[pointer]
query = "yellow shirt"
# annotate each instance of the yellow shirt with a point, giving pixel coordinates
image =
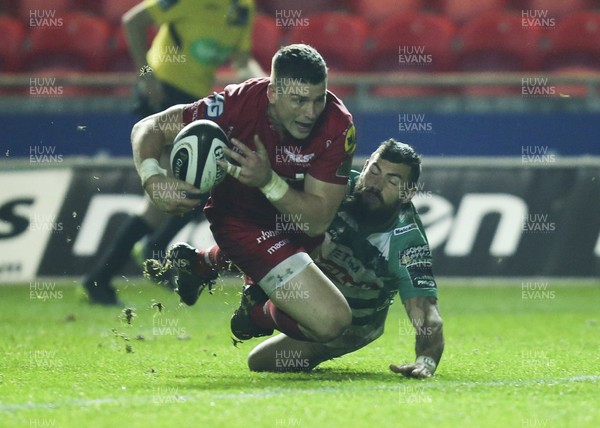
(195, 37)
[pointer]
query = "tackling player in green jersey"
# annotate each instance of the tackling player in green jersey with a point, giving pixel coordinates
(374, 249)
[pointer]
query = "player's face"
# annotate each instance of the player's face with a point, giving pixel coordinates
(383, 185)
(295, 106)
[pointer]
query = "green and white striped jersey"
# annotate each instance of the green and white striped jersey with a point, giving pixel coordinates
(369, 268)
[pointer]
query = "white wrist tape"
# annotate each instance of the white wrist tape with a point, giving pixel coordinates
(150, 167)
(275, 188)
(427, 362)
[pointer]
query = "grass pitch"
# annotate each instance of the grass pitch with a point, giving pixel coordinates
(514, 358)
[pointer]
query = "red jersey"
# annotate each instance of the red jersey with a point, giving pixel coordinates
(241, 111)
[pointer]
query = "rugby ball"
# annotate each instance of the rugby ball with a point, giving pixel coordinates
(196, 150)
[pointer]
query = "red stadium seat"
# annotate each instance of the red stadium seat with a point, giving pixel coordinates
(34, 12)
(375, 11)
(461, 11)
(556, 9)
(304, 8)
(341, 39)
(574, 42)
(417, 34)
(80, 44)
(411, 42)
(113, 10)
(266, 40)
(497, 42)
(12, 34)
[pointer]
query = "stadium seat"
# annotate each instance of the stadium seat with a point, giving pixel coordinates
(80, 44)
(38, 10)
(266, 40)
(574, 42)
(375, 11)
(12, 34)
(461, 11)
(341, 39)
(303, 7)
(119, 58)
(113, 10)
(419, 34)
(496, 42)
(411, 42)
(557, 9)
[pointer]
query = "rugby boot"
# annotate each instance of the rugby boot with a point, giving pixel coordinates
(190, 277)
(242, 325)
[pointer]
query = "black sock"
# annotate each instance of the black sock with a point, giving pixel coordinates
(119, 251)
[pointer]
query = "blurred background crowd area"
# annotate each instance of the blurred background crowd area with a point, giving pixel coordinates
(357, 37)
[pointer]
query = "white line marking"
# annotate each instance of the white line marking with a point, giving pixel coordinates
(423, 385)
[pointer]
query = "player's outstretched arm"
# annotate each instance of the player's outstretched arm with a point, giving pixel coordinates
(314, 208)
(425, 317)
(149, 137)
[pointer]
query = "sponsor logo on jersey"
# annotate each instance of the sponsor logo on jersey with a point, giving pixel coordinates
(424, 283)
(350, 142)
(215, 106)
(418, 256)
(404, 229)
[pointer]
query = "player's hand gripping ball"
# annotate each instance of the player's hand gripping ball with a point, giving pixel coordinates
(196, 150)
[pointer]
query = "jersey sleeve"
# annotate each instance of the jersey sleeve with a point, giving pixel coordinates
(163, 11)
(335, 164)
(414, 261)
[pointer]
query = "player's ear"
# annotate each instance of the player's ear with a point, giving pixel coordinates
(407, 193)
(366, 165)
(271, 93)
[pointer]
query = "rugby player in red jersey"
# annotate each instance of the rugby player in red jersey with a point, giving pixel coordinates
(292, 143)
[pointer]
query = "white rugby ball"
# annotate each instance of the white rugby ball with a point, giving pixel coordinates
(195, 152)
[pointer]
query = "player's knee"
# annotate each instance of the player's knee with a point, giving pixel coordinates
(256, 362)
(271, 362)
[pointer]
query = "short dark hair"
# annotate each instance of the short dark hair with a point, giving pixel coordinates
(397, 152)
(299, 61)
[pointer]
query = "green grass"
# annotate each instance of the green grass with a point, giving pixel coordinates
(509, 362)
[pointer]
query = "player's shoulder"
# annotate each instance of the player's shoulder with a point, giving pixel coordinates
(236, 101)
(408, 227)
(249, 88)
(336, 110)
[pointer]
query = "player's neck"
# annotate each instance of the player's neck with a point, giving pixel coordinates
(277, 125)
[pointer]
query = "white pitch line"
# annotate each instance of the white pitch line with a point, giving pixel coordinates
(423, 385)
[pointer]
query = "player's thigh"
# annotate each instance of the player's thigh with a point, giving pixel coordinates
(309, 297)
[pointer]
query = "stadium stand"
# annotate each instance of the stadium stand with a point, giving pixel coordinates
(113, 10)
(411, 42)
(558, 9)
(376, 11)
(461, 11)
(12, 34)
(496, 42)
(36, 9)
(340, 37)
(80, 44)
(355, 36)
(267, 37)
(304, 8)
(575, 42)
